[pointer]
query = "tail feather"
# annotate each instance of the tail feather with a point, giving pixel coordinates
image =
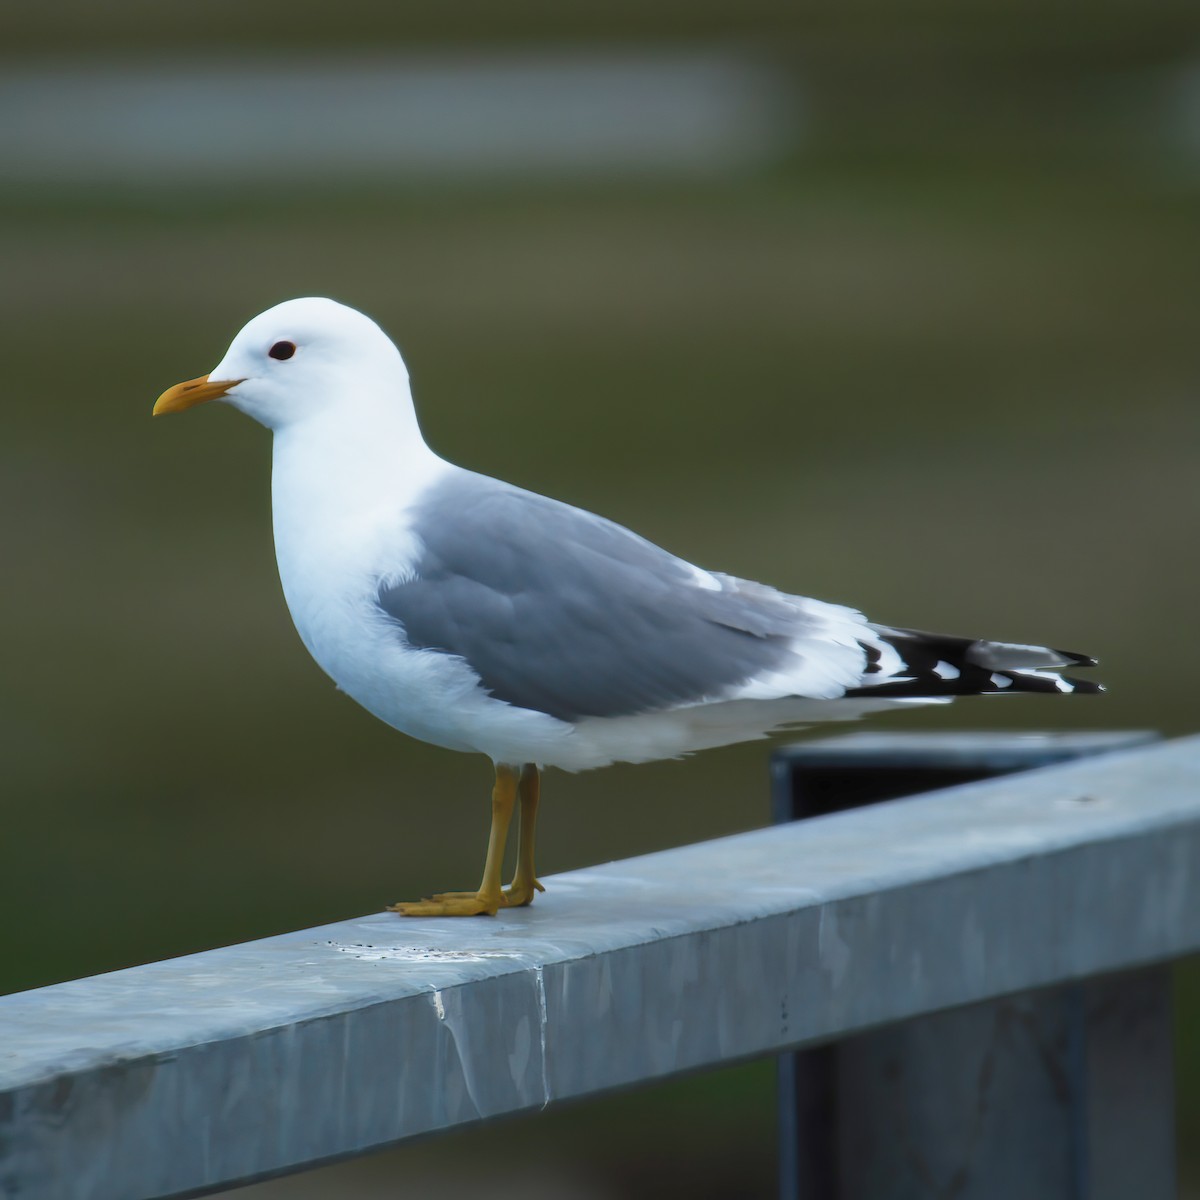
(909, 663)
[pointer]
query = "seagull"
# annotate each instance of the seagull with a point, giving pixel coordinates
(470, 613)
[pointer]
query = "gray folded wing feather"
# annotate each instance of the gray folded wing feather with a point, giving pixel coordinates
(566, 613)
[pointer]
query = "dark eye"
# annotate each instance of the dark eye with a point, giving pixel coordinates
(282, 350)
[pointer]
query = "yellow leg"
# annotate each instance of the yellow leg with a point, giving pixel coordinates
(489, 897)
(525, 882)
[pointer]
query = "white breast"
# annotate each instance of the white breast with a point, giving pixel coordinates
(341, 526)
(339, 513)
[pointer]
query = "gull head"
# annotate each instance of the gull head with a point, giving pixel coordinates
(297, 360)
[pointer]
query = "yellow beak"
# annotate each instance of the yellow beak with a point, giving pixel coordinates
(191, 393)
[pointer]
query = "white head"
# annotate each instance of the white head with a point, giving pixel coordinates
(300, 359)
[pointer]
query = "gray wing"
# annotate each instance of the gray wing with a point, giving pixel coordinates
(566, 613)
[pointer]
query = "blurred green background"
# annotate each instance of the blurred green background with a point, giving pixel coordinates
(929, 347)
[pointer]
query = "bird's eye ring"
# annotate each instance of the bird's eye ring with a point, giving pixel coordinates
(282, 350)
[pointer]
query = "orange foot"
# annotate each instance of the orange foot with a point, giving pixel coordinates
(469, 904)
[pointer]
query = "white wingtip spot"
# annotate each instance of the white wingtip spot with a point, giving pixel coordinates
(1002, 681)
(944, 670)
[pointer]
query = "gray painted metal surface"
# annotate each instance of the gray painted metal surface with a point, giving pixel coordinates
(221, 1067)
(999, 752)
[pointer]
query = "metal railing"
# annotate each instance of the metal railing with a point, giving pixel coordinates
(1038, 907)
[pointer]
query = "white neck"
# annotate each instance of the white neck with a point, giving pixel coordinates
(339, 488)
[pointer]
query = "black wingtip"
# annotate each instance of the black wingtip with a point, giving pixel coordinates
(935, 665)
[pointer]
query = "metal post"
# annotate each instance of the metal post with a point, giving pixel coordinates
(1061, 1094)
